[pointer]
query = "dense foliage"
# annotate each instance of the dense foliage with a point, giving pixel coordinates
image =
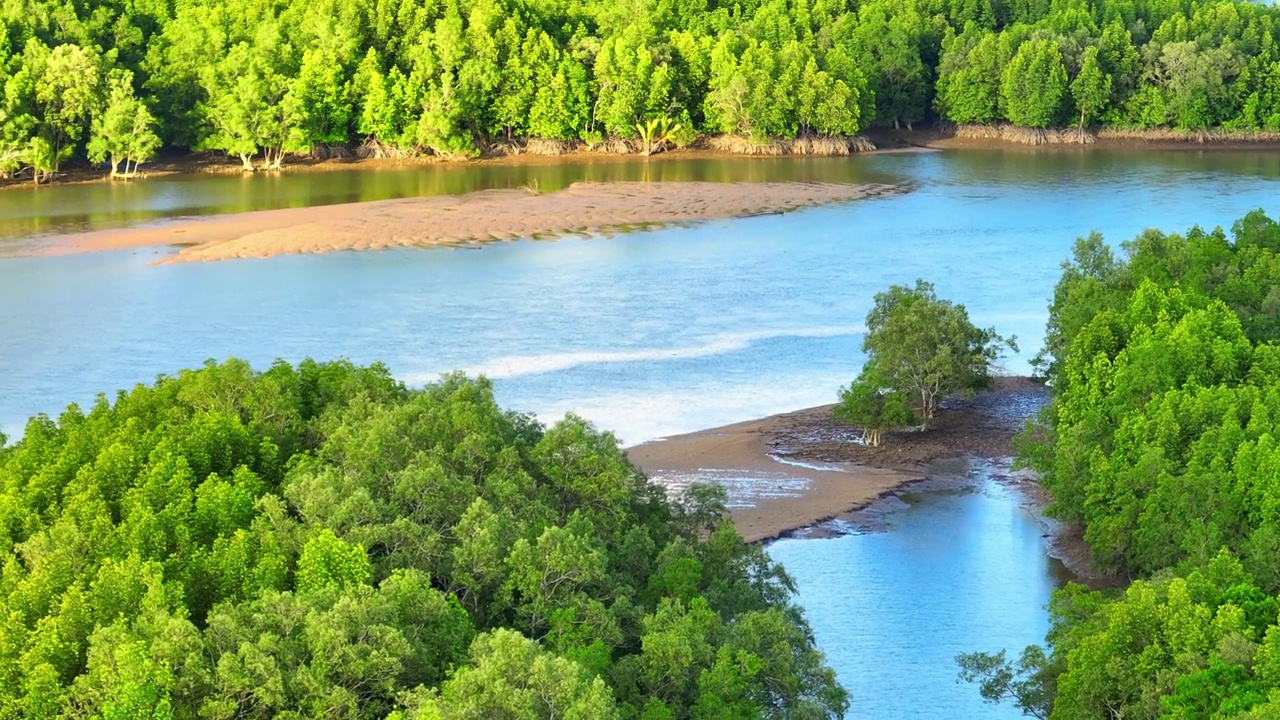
(269, 77)
(320, 541)
(920, 349)
(1161, 440)
(1162, 443)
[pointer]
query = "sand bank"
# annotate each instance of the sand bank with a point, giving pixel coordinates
(769, 494)
(490, 215)
(795, 470)
(791, 473)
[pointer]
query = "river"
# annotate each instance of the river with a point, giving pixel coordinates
(648, 334)
(946, 572)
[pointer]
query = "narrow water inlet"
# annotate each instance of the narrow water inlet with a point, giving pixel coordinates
(950, 571)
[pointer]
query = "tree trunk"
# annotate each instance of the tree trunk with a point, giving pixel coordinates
(272, 158)
(246, 162)
(895, 124)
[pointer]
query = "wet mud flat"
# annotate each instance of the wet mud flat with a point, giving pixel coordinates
(802, 471)
(806, 475)
(981, 427)
(971, 443)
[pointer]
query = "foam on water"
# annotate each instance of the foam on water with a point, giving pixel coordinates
(820, 467)
(641, 415)
(522, 365)
(744, 489)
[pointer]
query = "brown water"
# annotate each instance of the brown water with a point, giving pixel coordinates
(27, 211)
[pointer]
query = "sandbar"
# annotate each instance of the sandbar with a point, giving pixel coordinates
(583, 208)
(793, 471)
(769, 495)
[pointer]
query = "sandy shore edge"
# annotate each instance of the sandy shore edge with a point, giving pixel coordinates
(784, 496)
(886, 140)
(798, 473)
(583, 209)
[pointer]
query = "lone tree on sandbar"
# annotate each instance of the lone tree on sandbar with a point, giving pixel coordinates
(920, 349)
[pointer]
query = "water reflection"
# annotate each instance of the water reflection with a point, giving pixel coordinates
(954, 572)
(648, 333)
(985, 175)
(26, 211)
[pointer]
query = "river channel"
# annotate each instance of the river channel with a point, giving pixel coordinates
(648, 334)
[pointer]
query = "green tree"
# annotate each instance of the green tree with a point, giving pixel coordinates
(251, 108)
(387, 108)
(320, 540)
(41, 156)
(17, 123)
(969, 76)
(871, 404)
(1120, 59)
(561, 107)
(66, 94)
(123, 132)
(1092, 88)
(320, 93)
(511, 677)
(1195, 83)
(1034, 84)
(328, 560)
(1027, 682)
(886, 42)
(927, 348)
(631, 87)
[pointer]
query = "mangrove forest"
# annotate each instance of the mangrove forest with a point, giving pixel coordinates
(319, 541)
(1162, 441)
(113, 82)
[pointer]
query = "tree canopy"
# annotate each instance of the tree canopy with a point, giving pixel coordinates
(920, 349)
(320, 541)
(1161, 443)
(873, 404)
(112, 81)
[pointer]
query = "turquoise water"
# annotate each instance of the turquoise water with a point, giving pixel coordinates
(649, 334)
(952, 572)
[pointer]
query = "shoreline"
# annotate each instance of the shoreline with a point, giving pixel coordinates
(992, 138)
(885, 140)
(800, 473)
(770, 495)
(582, 209)
(204, 164)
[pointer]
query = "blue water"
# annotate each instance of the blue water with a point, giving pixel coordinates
(659, 332)
(954, 572)
(649, 333)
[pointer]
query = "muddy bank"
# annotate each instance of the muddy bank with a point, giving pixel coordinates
(802, 469)
(768, 495)
(1067, 140)
(804, 474)
(212, 163)
(584, 208)
(981, 427)
(1066, 542)
(969, 440)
